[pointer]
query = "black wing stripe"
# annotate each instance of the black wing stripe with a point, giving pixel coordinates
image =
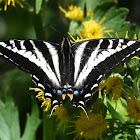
(23, 65)
(55, 59)
(106, 43)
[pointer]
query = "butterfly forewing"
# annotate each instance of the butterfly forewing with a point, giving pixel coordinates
(93, 58)
(38, 58)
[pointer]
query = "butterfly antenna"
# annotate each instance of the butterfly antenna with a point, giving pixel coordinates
(55, 29)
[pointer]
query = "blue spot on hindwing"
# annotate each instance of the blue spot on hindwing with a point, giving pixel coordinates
(76, 92)
(59, 92)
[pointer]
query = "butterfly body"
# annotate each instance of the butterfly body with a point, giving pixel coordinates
(66, 69)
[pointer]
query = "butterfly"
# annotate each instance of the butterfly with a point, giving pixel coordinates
(67, 69)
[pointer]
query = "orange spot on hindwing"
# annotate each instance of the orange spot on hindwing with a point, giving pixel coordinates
(63, 96)
(71, 96)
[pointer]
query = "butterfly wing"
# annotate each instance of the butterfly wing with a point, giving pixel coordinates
(40, 59)
(94, 58)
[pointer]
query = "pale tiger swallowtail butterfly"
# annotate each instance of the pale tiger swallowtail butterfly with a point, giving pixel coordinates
(68, 69)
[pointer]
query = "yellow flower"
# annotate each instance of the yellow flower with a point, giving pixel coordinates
(73, 40)
(93, 29)
(10, 2)
(62, 112)
(46, 102)
(133, 108)
(62, 115)
(114, 85)
(74, 13)
(92, 128)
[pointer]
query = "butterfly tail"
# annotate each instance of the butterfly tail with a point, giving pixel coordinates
(54, 104)
(82, 105)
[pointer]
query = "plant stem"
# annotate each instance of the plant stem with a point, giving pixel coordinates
(136, 87)
(38, 24)
(49, 127)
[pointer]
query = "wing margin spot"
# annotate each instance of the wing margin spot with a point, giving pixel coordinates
(48, 95)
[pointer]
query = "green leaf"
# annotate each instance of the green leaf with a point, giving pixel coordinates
(91, 3)
(139, 34)
(9, 119)
(101, 9)
(119, 69)
(72, 27)
(38, 4)
(32, 123)
(114, 114)
(133, 64)
(115, 20)
(128, 89)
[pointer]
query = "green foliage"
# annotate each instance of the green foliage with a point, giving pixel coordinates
(38, 5)
(32, 123)
(115, 19)
(9, 128)
(114, 114)
(9, 121)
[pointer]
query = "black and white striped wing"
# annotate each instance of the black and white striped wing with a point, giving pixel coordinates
(93, 58)
(39, 58)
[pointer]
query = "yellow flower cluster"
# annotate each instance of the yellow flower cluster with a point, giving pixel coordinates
(92, 128)
(74, 13)
(46, 102)
(113, 85)
(10, 2)
(133, 108)
(91, 29)
(61, 112)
